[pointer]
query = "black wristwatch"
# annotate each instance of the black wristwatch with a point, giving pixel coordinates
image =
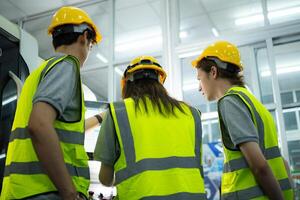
(99, 118)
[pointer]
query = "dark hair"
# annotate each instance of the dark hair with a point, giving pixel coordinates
(69, 38)
(142, 88)
(233, 76)
(65, 39)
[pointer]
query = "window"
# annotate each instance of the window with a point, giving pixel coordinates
(290, 121)
(190, 86)
(264, 76)
(294, 151)
(205, 132)
(215, 131)
(298, 96)
(286, 98)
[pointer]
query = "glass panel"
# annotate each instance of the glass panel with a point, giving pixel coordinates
(286, 98)
(294, 152)
(215, 130)
(190, 86)
(283, 11)
(264, 76)
(119, 70)
(205, 132)
(213, 106)
(287, 58)
(138, 28)
(298, 95)
(96, 80)
(290, 121)
(206, 20)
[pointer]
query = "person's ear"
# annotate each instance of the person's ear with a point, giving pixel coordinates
(214, 72)
(82, 39)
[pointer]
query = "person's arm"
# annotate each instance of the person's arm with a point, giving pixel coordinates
(107, 150)
(106, 175)
(94, 121)
(46, 144)
(261, 170)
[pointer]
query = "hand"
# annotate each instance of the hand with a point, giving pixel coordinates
(102, 114)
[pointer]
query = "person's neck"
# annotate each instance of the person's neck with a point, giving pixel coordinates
(223, 86)
(71, 50)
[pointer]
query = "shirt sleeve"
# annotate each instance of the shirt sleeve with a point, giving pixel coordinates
(58, 87)
(107, 148)
(237, 120)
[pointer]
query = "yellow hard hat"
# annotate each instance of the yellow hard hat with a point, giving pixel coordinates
(144, 62)
(224, 51)
(72, 15)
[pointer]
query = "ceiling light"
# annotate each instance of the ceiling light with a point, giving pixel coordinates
(249, 20)
(282, 70)
(183, 34)
(2, 156)
(118, 71)
(284, 12)
(215, 32)
(271, 15)
(102, 58)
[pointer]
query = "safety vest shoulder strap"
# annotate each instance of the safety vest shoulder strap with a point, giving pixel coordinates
(53, 61)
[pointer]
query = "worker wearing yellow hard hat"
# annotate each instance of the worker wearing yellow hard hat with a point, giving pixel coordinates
(143, 63)
(253, 165)
(149, 141)
(73, 16)
(46, 158)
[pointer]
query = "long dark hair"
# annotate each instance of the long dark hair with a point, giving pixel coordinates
(233, 76)
(140, 89)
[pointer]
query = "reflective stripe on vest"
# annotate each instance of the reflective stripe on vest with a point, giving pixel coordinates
(254, 192)
(31, 168)
(134, 168)
(63, 135)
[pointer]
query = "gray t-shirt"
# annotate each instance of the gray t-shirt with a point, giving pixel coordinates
(61, 89)
(237, 122)
(107, 148)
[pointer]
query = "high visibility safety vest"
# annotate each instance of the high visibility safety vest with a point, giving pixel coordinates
(160, 157)
(24, 175)
(238, 181)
